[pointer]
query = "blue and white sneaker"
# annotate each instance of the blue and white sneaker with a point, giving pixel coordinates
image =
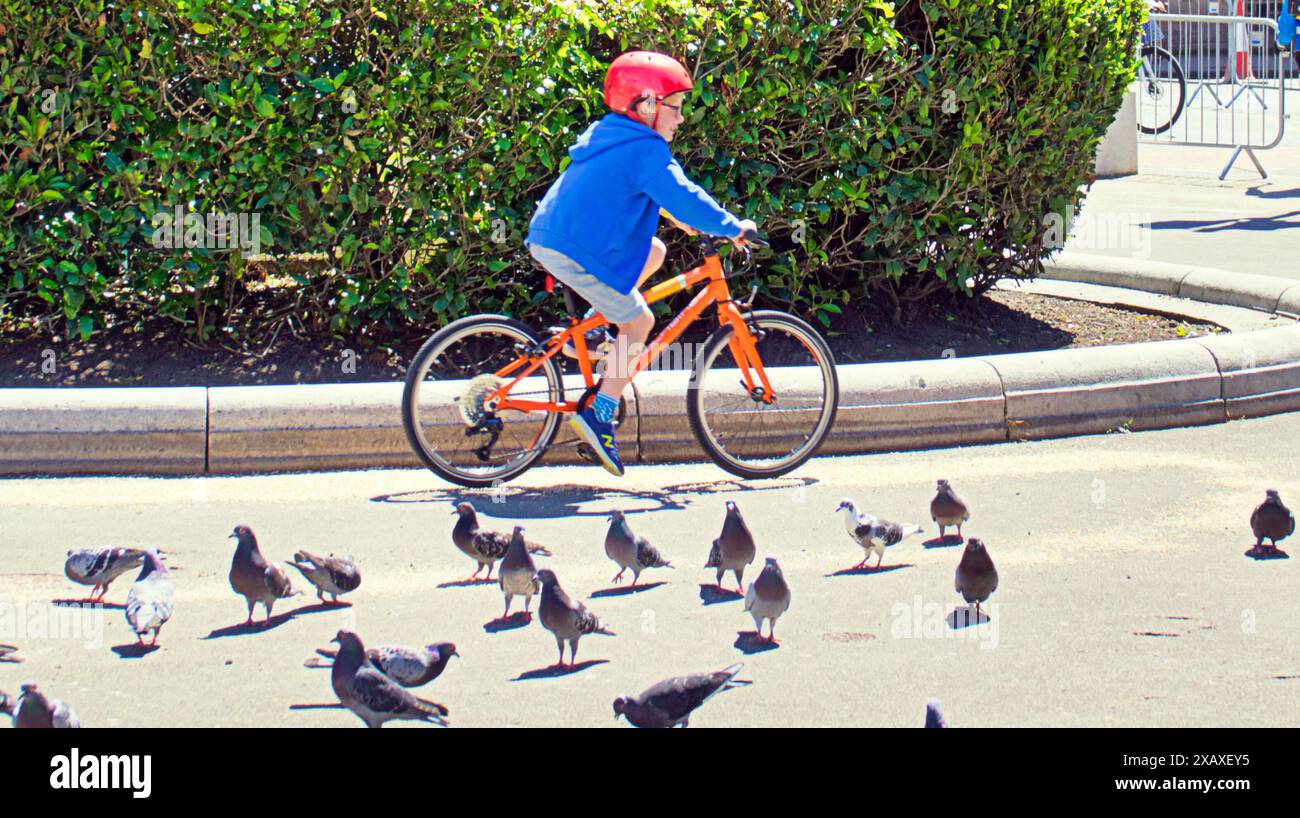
(600, 437)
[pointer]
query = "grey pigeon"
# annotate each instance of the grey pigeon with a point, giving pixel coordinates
(630, 550)
(1271, 520)
(671, 702)
(768, 598)
(948, 509)
(331, 575)
(873, 533)
(977, 579)
(409, 667)
(733, 549)
(568, 620)
(483, 545)
(8, 704)
(34, 709)
(254, 578)
(149, 602)
(934, 714)
(100, 566)
(518, 574)
(368, 692)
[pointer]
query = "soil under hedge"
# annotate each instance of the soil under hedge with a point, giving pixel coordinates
(1001, 322)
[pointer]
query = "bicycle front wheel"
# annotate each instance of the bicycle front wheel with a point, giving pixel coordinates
(738, 428)
(444, 405)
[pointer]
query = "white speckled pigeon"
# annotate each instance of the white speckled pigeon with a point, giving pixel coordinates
(100, 566)
(331, 575)
(149, 602)
(873, 533)
(409, 667)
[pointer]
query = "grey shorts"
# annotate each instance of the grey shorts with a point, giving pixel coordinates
(618, 308)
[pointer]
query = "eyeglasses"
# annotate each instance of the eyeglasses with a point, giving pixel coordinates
(677, 108)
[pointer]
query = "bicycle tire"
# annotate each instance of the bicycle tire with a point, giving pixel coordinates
(705, 434)
(1176, 75)
(415, 379)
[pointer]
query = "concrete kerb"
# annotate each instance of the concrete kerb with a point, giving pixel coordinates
(883, 406)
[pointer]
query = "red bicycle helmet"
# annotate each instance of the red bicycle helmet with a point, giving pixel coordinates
(632, 73)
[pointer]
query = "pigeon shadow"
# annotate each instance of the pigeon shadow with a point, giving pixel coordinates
(631, 589)
(1256, 553)
(966, 618)
(258, 626)
(556, 671)
(134, 650)
(870, 569)
(319, 607)
(468, 583)
(335, 706)
(566, 500)
(86, 603)
(8, 654)
(712, 594)
(514, 622)
(749, 643)
(946, 541)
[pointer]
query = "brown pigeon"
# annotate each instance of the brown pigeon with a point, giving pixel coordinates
(948, 509)
(254, 578)
(1271, 521)
(733, 549)
(977, 579)
(671, 702)
(630, 550)
(373, 696)
(483, 545)
(518, 574)
(34, 709)
(567, 620)
(331, 575)
(768, 598)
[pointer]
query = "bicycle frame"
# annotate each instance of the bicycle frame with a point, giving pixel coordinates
(742, 342)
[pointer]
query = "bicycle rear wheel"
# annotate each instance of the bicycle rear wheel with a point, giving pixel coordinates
(739, 430)
(443, 412)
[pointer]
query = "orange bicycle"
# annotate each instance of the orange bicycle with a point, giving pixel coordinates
(484, 396)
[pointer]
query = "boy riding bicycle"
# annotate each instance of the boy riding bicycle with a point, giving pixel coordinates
(595, 228)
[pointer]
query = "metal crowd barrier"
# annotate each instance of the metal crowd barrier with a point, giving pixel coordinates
(1209, 80)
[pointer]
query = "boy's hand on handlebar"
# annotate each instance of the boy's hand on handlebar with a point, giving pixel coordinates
(746, 226)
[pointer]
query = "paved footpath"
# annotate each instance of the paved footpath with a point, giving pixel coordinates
(1125, 595)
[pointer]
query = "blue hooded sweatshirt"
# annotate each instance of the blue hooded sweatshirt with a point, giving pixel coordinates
(604, 209)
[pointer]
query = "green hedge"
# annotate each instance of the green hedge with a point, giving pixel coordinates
(397, 149)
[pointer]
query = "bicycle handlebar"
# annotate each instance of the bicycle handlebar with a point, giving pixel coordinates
(750, 237)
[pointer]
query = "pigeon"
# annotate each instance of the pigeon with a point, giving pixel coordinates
(331, 575)
(482, 544)
(8, 704)
(934, 714)
(33, 709)
(1271, 521)
(518, 574)
(873, 533)
(373, 696)
(567, 619)
(948, 509)
(254, 578)
(409, 667)
(768, 598)
(733, 549)
(977, 579)
(100, 566)
(671, 702)
(149, 602)
(630, 550)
